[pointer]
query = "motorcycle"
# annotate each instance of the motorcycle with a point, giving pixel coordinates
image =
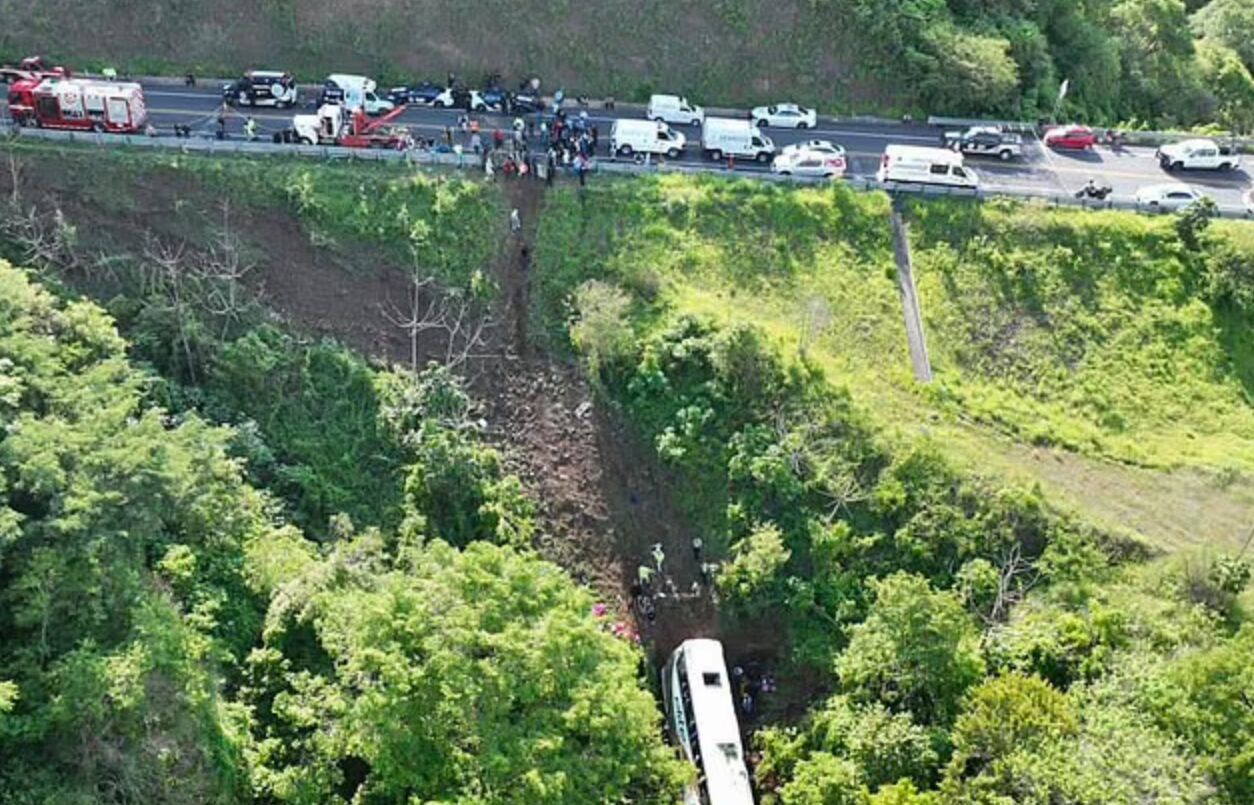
(1094, 191)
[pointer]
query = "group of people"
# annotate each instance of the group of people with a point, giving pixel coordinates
(538, 147)
(749, 685)
(652, 584)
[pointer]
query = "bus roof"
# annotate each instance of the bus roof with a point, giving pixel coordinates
(718, 731)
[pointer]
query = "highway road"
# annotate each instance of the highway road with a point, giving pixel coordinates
(1041, 171)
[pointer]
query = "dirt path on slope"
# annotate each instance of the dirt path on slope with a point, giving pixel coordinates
(603, 499)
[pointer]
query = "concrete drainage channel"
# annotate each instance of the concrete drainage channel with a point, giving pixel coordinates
(211, 146)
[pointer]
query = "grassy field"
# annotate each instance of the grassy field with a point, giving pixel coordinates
(1081, 351)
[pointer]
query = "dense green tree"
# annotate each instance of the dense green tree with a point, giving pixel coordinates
(1229, 23)
(122, 533)
(823, 779)
(1007, 714)
(462, 676)
(917, 650)
(1230, 82)
(1156, 48)
(1205, 699)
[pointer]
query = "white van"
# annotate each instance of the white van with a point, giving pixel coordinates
(674, 109)
(912, 163)
(354, 91)
(629, 137)
(724, 136)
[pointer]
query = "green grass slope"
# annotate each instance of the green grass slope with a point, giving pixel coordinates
(1090, 352)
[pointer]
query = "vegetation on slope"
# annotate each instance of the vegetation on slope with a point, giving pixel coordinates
(1160, 61)
(1101, 334)
(164, 637)
(984, 647)
(182, 284)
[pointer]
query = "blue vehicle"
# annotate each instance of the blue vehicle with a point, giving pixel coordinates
(423, 93)
(497, 98)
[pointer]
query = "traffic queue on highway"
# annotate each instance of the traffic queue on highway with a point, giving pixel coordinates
(350, 111)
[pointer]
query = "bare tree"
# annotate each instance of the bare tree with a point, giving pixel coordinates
(164, 274)
(16, 168)
(225, 266)
(463, 321)
(1015, 578)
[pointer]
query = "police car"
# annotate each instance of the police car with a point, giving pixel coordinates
(262, 88)
(985, 141)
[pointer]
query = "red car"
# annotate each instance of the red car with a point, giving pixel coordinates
(1070, 137)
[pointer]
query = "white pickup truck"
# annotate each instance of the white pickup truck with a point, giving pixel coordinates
(1197, 155)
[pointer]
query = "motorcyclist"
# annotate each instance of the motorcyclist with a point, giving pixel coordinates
(1090, 188)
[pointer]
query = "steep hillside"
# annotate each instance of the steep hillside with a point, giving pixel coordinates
(1094, 353)
(1131, 59)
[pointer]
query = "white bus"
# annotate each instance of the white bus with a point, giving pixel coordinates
(701, 714)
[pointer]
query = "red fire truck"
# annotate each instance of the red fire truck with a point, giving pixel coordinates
(79, 104)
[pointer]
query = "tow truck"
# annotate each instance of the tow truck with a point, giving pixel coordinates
(335, 125)
(32, 68)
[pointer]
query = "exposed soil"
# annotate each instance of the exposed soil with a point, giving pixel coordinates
(603, 499)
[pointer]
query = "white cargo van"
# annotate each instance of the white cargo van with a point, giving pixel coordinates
(723, 136)
(354, 91)
(629, 137)
(912, 163)
(674, 109)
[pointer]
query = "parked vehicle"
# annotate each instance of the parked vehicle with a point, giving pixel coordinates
(1197, 154)
(701, 717)
(1169, 196)
(353, 91)
(496, 98)
(819, 146)
(674, 109)
(628, 137)
(32, 68)
(337, 124)
(261, 88)
(526, 103)
(785, 116)
(723, 136)
(456, 98)
(1074, 137)
(912, 163)
(987, 141)
(802, 162)
(79, 104)
(416, 94)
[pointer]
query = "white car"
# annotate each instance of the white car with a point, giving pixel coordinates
(1170, 196)
(820, 146)
(809, 163)
(445, 100)
(784, 116)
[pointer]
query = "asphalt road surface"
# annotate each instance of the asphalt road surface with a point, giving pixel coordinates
(1040, 170)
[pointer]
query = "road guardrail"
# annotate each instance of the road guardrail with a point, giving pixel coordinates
(471, 162)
